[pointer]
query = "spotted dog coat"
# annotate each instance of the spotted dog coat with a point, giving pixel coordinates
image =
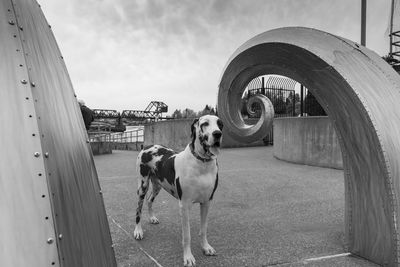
(190, 176)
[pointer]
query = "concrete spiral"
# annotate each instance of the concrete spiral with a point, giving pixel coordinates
(229, 103)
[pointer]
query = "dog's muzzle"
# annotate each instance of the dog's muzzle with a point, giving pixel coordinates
(217, 138)
(213, 148)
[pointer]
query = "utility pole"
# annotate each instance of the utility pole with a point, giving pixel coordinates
(363, 21)
(391, 29)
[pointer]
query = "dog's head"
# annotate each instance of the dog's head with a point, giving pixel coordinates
(207, 134)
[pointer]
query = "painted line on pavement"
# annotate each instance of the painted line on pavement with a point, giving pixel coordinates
(131, 237)
(328, 257)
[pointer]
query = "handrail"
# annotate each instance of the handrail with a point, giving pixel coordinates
(130, 136)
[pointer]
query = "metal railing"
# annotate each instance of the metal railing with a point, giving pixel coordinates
(130, 136)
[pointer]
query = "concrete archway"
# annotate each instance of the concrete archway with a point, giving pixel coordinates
(360, 93)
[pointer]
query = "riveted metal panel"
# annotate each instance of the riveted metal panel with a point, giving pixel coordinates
(81, 230)
(26, 224)
(360, 93)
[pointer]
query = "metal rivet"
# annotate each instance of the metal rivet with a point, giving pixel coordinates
(100, 192)
(46, 154)
(24, 82)
(87, 141)
(50, 240)
(21, 28)
(37, 154)
(60, 236)
(11, 22)
(33, 84)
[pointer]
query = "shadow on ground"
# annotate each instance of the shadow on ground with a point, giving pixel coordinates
(266, 212)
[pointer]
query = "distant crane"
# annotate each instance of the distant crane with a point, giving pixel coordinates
(394, 34)
(153, 112)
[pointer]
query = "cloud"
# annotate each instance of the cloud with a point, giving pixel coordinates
(121, 54)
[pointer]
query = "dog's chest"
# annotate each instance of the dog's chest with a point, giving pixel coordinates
(198, 182)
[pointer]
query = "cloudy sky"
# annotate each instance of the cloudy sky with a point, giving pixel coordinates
(122, 54)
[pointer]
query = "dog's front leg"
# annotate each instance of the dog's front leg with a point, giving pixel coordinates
(188, 259)
(207, 249)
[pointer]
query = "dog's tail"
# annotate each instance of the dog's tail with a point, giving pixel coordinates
(138, 160)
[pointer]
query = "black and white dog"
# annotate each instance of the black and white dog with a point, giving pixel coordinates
(191, 176)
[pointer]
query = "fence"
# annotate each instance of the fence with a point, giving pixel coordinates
(281, 93)
(287, 103)
(309, 106)
(128, 140)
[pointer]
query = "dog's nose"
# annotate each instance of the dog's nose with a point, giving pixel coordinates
(217, 134)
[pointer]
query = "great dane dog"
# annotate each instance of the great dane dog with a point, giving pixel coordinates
(191, 176)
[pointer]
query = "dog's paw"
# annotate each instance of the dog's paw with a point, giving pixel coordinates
(209, 250)
(138, 233)
(154, 220)
(188, 260)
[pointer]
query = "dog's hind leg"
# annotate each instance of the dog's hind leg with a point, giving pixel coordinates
(143, 186)
(156, 189)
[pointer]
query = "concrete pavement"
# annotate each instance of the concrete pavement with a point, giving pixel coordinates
(266, 212)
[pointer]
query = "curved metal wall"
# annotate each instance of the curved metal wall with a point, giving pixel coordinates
(53, 211)
(360, 93)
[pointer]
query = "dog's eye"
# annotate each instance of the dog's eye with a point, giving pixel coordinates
(204, 124)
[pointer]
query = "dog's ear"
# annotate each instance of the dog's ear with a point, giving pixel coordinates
(193, 129)
(220, 124)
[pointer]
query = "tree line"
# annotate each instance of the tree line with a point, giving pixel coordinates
(190, 113)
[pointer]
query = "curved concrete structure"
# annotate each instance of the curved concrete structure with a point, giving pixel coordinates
(52, 208)
(360, 93)
(309, 140)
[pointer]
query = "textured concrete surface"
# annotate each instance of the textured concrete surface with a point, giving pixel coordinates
(99, 148)
(176, 134)
(307, 140)
(344, 77)
(171, 133)
(266, 212)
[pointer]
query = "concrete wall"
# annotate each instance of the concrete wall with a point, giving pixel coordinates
(100, 148)
(137, 146)
(307, 140)
(173, 133)
(176, 135)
